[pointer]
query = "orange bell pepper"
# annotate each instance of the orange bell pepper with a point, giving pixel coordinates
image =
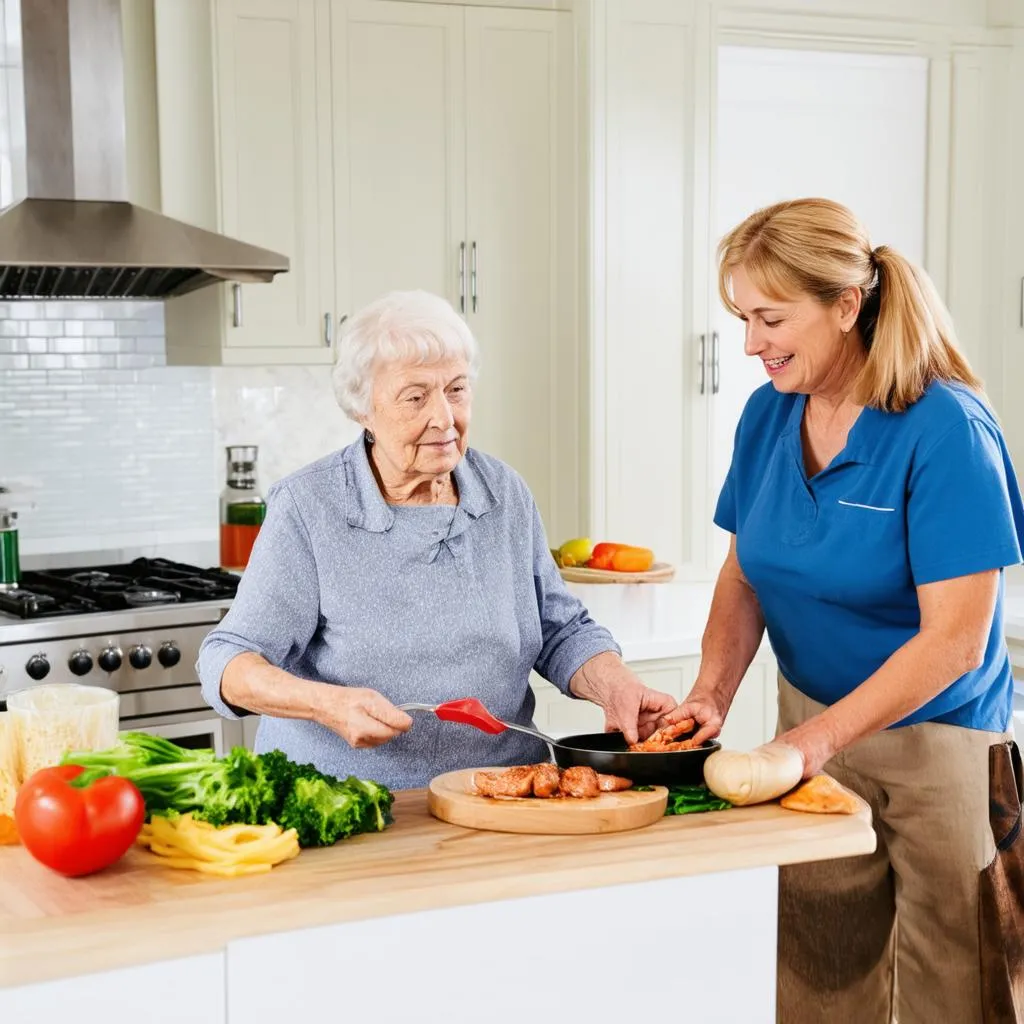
(621, 558)
(8, 831)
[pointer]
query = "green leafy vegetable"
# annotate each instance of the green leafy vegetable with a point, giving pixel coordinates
(242, 788)
(324, 810)
(693, 800)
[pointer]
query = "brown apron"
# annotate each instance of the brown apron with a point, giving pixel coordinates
(1001, 897)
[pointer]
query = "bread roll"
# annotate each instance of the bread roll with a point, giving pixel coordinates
(762, 774)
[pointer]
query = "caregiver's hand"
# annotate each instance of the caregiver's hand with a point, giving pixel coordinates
(629, 706)
(361, 717)
(705, 707)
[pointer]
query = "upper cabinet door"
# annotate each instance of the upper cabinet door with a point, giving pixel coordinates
(272, 66)
(399, 148)
(649, 451)
(792, 123)
(522, 251)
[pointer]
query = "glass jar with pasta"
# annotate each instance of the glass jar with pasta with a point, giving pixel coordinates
(50, 720)
(9, 774)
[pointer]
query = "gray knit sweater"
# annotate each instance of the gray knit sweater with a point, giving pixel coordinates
(421, 603)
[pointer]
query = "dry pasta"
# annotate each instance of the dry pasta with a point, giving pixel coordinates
(50, 720)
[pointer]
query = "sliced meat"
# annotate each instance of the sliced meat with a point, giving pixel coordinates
(546, 780)
(580, 783)
(613, 783)
(681, 745)
(660, 740)
(512, 782)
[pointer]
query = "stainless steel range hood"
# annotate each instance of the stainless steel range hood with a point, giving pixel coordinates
(76, 235)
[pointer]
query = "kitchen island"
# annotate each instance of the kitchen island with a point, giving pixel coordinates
(424, 922)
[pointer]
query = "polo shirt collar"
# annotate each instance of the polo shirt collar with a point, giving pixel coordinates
(367, 509)
(862, 443)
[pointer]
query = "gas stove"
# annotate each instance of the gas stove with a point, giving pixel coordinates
(140, 584)
(135, 628)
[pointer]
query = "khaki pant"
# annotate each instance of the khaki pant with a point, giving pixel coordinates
(893, 935)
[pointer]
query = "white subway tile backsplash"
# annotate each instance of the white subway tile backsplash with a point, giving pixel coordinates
(47, 362)
(120, 445)
(97, 328)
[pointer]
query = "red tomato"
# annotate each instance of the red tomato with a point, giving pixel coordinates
(77, 830)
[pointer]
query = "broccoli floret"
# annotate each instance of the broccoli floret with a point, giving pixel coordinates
(379, 799)
(281, 773)
(322, 812)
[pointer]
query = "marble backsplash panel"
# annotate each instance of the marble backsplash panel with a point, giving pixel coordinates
(289, 412)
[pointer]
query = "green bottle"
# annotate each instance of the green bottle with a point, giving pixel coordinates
(10, 564)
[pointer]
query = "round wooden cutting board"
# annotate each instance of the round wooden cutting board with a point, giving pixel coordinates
(660, 572)
(449, 798)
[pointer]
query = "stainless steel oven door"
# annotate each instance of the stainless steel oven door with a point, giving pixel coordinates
(195, 730)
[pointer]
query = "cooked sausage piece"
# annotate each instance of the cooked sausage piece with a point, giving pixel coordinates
(510, 783)
(579, 782)
(613, 783)
(546, 780)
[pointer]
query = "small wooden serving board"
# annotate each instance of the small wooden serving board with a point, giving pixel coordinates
(450, 798)
(660, 572)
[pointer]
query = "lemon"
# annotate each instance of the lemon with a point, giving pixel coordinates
(575, 552)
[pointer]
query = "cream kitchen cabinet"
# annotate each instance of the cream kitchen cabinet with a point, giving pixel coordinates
(389, 145)
(455, 170)
(245, 141)
(701, 113)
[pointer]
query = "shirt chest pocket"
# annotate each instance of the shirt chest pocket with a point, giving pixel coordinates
(867, 546)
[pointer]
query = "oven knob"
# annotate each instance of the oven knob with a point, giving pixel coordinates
(38, 667)
(140, 657)
(169, 655)
(80, 663)
(109, 659)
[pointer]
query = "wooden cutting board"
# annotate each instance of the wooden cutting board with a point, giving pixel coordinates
(449, 798)
(660, 572)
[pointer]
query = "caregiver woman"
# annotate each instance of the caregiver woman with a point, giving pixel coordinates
(874, 507)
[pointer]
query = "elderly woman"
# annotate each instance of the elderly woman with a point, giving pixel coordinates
(874, 507)
(407, 567)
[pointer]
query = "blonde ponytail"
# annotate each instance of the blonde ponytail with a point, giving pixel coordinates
(910, 337)
(818, 247)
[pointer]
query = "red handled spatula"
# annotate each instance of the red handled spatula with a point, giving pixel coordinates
(469, 711)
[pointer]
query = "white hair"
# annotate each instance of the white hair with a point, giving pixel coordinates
(413, 326)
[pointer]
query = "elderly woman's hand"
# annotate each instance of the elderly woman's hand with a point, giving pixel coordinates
(361, 717)
(629, 706)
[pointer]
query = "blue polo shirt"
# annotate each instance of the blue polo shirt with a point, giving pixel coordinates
(914, 497)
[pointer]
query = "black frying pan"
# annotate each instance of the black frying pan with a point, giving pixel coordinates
(605, 752)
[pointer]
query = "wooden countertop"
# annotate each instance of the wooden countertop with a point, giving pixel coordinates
(133, 913)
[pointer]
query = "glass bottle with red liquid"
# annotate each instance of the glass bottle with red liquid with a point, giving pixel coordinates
(242, 508)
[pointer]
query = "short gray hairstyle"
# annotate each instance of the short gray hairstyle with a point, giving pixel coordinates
(413, 326)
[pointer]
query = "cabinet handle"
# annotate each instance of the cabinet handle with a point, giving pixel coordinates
(328, 330)
(1022, 302)
(472, 277)
(714, 363)
(236, 297)
(462, 277)
(703, 347)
